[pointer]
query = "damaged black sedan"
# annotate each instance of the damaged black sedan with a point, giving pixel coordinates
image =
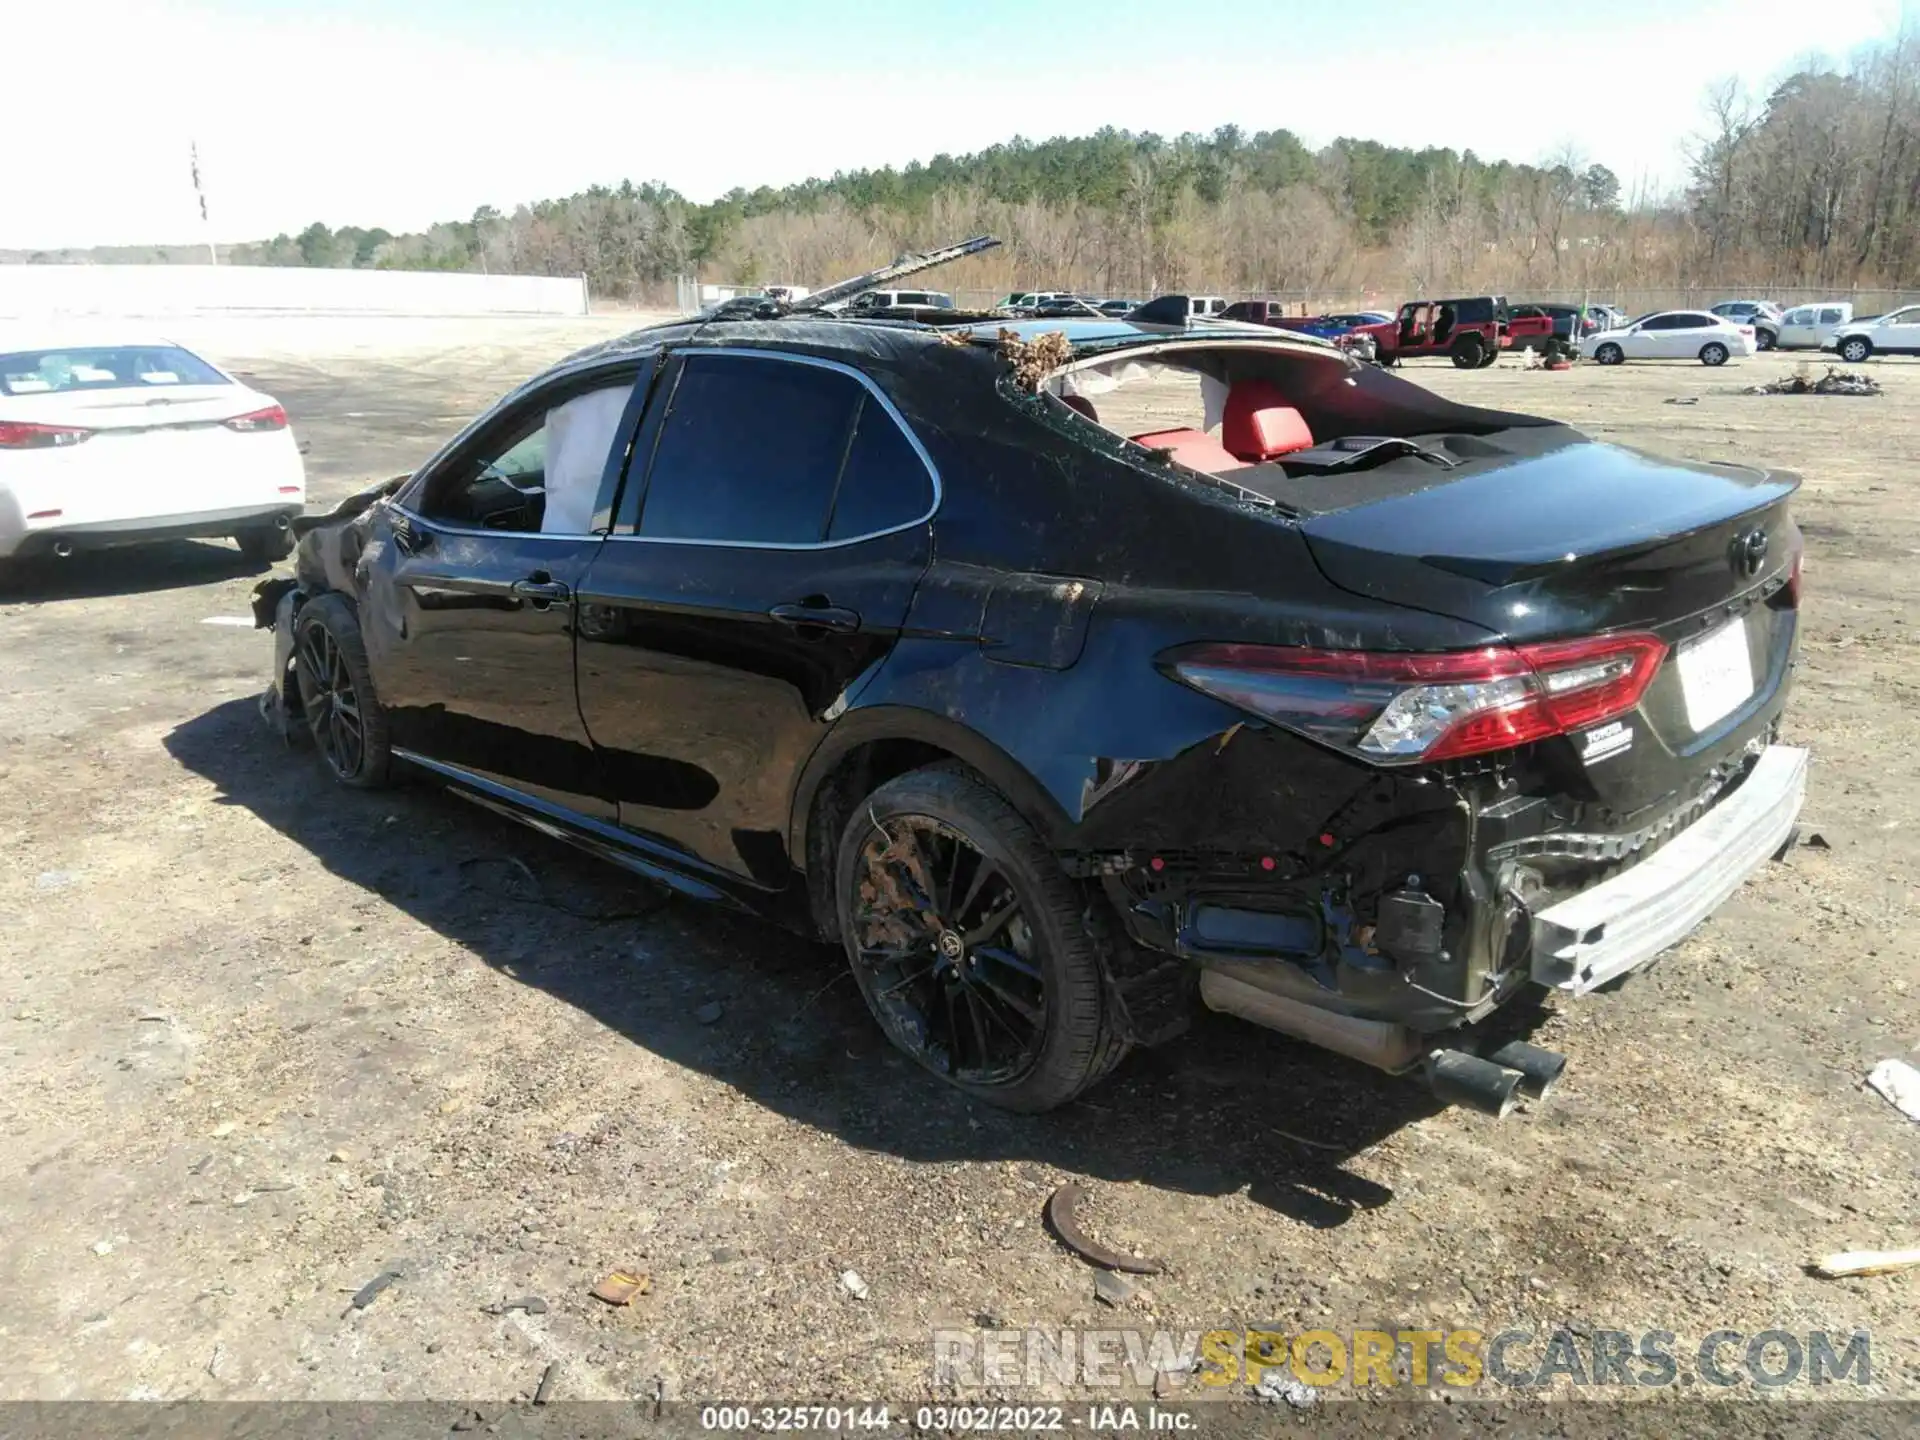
(1292, 689)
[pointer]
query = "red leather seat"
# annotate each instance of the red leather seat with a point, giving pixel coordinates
(1194, 449)
(1260, 424)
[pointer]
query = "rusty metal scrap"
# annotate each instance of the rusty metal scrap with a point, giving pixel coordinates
(1061, 1208)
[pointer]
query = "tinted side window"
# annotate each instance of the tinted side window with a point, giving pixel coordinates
(1695, 322)
(749, 451)
(1472, 312)
(885, 483)
(1828, 317)
(1662, 322)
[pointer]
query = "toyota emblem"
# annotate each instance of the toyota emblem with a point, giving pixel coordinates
(1749, 553)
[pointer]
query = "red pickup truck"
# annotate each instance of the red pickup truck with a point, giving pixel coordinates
(1471, 331)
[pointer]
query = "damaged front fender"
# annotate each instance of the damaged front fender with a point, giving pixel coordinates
(275, 603)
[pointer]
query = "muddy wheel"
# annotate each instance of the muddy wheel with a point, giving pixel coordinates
(1855, 350)
(1713, 353)
(336, 692)
(265, 544)
(1609, 354)
(1467, 352)
(979, 957)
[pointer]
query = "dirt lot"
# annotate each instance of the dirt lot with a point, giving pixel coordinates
(262, 1039)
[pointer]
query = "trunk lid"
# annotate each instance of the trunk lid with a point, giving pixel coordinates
(127, 408)
(1583, 539)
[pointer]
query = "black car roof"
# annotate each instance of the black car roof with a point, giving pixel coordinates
(854, 337)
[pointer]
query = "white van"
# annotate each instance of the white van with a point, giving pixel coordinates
(1810, 327)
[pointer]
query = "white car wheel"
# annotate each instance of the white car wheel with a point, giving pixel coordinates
(1609, 354)
(1713, 353)
(1855, 350)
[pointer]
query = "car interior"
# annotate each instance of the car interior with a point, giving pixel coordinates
(1285, 427)
(539, 477)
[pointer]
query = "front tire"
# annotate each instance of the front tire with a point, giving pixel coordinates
(1713, 353)
(1856, 350)
(1467, 352)
(974, 951)
(1609, 354)
(348, 722)
(1765, 339)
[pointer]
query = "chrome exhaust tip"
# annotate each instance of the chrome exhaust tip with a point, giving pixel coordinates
(62, 549)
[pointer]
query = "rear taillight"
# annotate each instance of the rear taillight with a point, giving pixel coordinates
(1793, 575)
(1395, 709)
(274, 417)
(18, 435)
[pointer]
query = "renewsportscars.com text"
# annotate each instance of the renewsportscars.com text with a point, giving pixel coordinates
(1460, 1359)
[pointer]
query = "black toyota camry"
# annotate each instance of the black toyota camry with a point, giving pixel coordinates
(1071, 673)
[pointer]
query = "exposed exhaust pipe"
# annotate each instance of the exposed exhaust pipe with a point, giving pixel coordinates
(62, 548)
(1462, 1079)
(1372, 1042)
(1490, 1086)
(1539, 1069)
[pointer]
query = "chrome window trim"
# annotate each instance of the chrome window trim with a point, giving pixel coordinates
(687, 352)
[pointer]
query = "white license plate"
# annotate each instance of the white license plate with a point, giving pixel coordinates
(1716, 674)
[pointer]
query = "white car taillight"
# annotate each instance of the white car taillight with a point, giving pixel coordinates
(1400, 708)
(18, 435)
(273, 417)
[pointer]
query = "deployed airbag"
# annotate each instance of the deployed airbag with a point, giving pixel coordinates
(579, 435)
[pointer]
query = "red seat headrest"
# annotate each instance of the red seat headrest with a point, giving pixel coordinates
(1260, 424)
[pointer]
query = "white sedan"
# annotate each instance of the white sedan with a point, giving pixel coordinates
(1672, 335)
(114, 444)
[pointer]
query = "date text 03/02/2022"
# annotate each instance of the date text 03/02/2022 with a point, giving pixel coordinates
(945, 1419)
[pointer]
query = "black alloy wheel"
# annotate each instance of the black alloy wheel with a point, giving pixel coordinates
(978, 956)
(336, 694)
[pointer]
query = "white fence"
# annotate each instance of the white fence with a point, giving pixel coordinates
(37, 290)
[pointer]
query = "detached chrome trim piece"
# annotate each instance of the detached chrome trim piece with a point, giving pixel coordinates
(1591, 938)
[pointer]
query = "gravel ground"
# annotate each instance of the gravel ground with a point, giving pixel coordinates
(262, 1040)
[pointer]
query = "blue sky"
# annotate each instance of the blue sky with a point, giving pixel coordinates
(399, 112)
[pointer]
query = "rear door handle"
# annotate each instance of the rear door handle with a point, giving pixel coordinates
(540, 591)
(825, 617)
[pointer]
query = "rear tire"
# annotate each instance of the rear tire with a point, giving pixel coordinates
(1489, 358)
(1467, 352)
(974, 951)
(348, 722)
(1609, 354)
(265, 545)
(1713, 353)
(1856, 350)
